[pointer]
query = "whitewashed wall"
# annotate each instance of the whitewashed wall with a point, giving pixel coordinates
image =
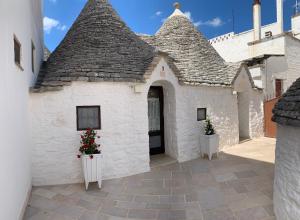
(293, 61)
(124, 131)
(296, 26)
(235, 47)
(253, 114)
(24, 19)
(287, 172)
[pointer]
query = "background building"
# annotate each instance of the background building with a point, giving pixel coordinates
(271, 54)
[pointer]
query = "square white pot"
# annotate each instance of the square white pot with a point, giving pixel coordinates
(92, 169)
(209, 145)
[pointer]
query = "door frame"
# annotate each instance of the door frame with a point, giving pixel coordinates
(160, 150)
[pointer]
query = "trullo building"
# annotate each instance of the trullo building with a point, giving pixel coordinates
(287, 171)
(142, 94)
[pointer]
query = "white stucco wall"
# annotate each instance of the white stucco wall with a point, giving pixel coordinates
(124, 131)
(287, 172)
(250, 107)
(296, 26)
(293, 61)
(24, 19)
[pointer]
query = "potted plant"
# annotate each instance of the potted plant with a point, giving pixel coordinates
(209, 142)
(91, 157)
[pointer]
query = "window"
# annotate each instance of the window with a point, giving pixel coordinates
(88, 117)
(278, 87)
(17, 50)
(201, 114)
(32, 56)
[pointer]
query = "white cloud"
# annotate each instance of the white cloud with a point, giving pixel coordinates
(50, 23)
(215, 22)
(188, 14)
(62, 27)
(158, 13)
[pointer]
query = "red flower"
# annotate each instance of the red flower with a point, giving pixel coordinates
(78, 156)
(92, 141)
(91, 156)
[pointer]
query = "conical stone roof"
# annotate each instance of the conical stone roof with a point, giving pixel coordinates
(98, 47)
(287, 110)
(197, 60)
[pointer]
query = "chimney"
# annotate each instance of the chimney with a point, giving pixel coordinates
(280, 15)
(257, 20)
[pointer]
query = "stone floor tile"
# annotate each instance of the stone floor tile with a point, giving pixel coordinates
(89, 215)
(225, 177)
(172, 199)
(66, 199)
(245, 174)
(89, 205)
(142, 214)
(147, 198)
(131, 205)
(194, 213)
(256, 213)
(172, 215)
(44, 193)
(115, 211)
(120, 197)
(43, 203)
(219, 214)
(240, 188)
(152, 183)
(50, 216)
(69, 211)
(158, 206)
(30, 211)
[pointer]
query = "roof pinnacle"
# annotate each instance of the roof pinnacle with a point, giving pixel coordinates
(177, 5)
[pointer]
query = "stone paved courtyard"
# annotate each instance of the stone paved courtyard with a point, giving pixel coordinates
(237, 186)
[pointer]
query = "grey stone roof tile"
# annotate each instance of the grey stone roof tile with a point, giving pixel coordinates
(197, 61)
(287, 110)
(98, 45)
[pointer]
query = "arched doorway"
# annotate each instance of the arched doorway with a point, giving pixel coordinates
(162, 119)
(156, 120)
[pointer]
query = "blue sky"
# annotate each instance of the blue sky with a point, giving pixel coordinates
(213, 18)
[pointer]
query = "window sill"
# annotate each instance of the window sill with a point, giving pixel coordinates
(19, 66)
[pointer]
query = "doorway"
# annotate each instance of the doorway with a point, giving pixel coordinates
(243, 115)
(156, 120)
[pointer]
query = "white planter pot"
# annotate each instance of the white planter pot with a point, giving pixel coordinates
(92, 169)
(209, 145)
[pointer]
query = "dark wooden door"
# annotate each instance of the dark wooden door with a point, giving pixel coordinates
(278, 87)
(156, 120)
(270, 126)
